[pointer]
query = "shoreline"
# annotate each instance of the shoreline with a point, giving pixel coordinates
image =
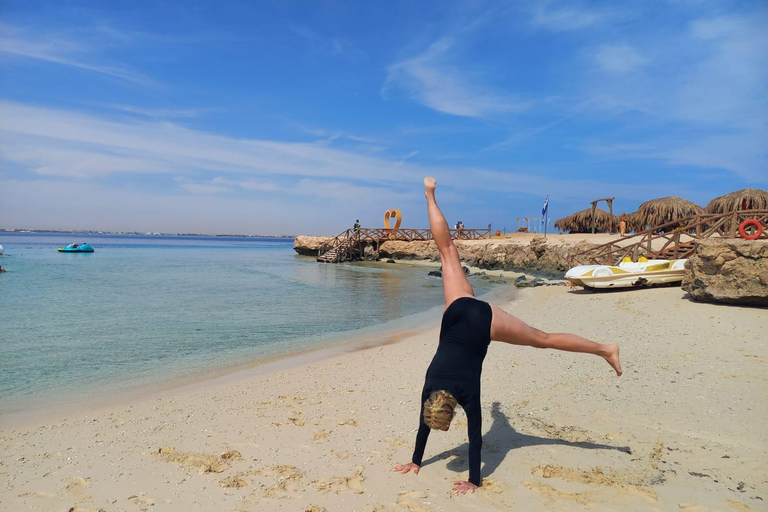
(333, 345)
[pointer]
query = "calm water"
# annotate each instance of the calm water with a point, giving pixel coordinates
(147, 310)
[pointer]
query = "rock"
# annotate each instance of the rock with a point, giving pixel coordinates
(390, 261)
(526, 281)
(370, 254)
(465, 269)
(730, 271)
(308, 245)
(435, 273)
(420, 250)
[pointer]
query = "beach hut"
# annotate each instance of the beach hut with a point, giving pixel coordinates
(581, 222)
(744, 199)
(661, 211)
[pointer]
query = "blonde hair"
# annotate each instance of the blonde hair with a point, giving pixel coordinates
(439, 409)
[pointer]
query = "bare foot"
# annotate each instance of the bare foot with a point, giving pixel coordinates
(612, 356)
(430, 184)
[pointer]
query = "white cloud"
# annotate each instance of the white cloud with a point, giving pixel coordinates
(433, 80)
(618, 58)
(78, 145)
(62, 52)
(567, 17)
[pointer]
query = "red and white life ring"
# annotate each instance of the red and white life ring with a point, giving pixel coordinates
(750, 222)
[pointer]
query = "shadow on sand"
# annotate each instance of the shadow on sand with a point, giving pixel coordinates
(504, 438)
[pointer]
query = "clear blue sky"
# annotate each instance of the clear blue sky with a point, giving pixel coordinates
(299, 117)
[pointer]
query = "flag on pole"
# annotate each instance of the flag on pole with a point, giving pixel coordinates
(545, 207)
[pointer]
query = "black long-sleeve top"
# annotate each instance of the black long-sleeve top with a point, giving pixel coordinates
(465, 334)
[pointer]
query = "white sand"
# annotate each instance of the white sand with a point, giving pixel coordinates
(691, 407)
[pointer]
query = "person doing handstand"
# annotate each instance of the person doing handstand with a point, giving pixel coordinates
(467, 328)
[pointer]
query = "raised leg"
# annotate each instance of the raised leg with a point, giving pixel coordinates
(455, 283)
(509, 329)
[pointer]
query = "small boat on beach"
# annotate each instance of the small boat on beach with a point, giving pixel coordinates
(84, 247)
(627, 274)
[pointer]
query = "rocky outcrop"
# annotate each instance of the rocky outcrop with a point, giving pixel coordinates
(547, 257)
(539, 256)
(308, 245)
(731, 271)
(400, 250)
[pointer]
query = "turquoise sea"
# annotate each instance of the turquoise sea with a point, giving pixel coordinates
(148, 311)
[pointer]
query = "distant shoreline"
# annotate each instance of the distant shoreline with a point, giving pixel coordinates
(133, 233)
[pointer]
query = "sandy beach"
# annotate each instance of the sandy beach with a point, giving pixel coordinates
(682, 429)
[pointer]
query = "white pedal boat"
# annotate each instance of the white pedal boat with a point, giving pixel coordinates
(627, 274)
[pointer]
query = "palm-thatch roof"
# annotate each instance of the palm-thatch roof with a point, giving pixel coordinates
(744, 199)
(581, 222)
(661, 211)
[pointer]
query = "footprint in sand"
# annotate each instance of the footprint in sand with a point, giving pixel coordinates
(142, 500)
(692, 507)
(413, 501)
(287, 485)
(340, 484)
(37, 494)
(623, 480)
(491, 486)
(553, 495)
(340, 455)
(76, 487)
(232, 481)
(205, 463)
(320, 435)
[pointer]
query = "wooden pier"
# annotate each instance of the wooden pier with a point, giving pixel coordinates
(350, 244)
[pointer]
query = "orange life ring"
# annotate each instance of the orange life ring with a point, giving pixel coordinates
(750, 222)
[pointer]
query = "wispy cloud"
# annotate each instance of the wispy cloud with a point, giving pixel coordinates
(433, 80)
(57, 50)
(333, 45)
(164, 113)
(564, 16)
(618, 58)
(78, 145)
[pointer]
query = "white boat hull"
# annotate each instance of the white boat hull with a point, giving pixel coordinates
(627, 275)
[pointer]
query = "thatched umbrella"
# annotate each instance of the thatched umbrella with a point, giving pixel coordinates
(661, 211)
(744, 199)
(581, 222)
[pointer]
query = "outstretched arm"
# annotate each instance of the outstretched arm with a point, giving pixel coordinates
(474, 432)
(418, 451)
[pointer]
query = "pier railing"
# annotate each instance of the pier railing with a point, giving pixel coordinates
(673, 240)
(350, 244)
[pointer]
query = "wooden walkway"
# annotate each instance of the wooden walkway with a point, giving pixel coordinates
(350, 244)
(673, 240)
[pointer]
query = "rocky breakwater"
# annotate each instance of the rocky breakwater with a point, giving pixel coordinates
(730, 271)
(519, 253)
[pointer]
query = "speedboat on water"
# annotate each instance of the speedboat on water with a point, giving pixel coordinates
(627, 274)
(76, 248)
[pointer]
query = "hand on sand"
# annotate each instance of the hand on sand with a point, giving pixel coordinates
(461, 487)
(407, 468)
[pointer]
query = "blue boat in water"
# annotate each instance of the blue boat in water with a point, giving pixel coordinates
(76, 248)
